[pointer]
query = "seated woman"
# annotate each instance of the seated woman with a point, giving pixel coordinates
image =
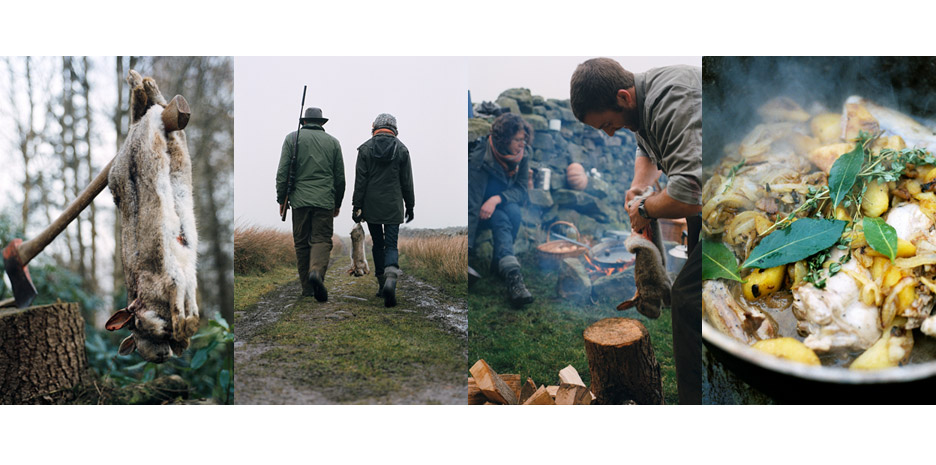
(498, 173)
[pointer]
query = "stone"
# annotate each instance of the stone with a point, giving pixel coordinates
(522, 96)
(598, 188)
(507, 102)
(537, 121)
(574, 283)
(541, 198)
(615, 288)
(538, 100)
(543, 140)
(539, 110)
(478, 127)
(577, 154)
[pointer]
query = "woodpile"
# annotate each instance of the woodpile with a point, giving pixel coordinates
(486, 387)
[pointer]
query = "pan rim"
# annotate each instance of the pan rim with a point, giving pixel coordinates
(837, 375)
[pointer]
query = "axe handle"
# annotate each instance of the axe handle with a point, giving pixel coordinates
(32, 247)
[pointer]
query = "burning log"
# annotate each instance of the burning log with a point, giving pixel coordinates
(43, 351)
(622, 363)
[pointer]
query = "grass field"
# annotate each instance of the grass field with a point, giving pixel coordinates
(545, 336)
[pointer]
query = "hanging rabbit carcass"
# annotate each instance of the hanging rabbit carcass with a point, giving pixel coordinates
(151, 182)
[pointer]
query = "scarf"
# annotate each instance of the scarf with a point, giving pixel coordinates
(510, 163)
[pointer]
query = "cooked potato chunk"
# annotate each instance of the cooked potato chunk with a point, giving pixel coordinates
(763, 282)
(875, 200)
(892, 349)
(904, 249)
(825, 156)
(789, 349)
(827, 127)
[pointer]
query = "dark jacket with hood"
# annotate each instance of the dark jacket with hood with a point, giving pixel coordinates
(482, 167)
(384, 180)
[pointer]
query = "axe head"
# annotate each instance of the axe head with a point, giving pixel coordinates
(23, 289)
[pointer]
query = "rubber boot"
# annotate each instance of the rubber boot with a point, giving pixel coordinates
(381, 279)
(391, 274)
(318, 287)
(307, 290)
(517, 293)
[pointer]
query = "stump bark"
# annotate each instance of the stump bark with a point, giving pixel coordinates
(621, 363)
(42, 351)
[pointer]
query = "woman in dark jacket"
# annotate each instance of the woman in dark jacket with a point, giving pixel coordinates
(383, 184)
(498, 174)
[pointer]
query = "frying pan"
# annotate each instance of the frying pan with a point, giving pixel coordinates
(734, 87)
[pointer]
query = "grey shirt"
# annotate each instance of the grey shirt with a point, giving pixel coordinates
(669, 111)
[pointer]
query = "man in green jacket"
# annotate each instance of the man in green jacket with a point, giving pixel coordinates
(383, 185)
(663, 108)
(315, 198)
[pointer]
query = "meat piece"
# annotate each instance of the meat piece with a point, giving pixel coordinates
(742, 322)
(835, 318)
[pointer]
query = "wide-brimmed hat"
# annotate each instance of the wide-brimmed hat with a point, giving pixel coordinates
(314, 115)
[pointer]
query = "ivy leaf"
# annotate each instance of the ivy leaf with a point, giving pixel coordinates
(804, 238)
(843, 174)
(719, 262)
(199, 358)
(881, 236)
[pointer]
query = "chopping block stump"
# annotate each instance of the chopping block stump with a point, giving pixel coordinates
(621, 363)
(42, 351)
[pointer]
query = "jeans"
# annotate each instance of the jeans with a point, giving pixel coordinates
(385, 246)
(504, 225)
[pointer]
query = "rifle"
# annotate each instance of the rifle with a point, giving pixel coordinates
(291, 179)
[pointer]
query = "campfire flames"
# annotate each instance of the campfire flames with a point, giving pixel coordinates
(595, 268)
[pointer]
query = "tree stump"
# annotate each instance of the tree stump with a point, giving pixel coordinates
(621, 363)
(42, 351)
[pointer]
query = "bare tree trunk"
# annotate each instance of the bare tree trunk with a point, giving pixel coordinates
(43, 352)
(67, 136)
(86, 91)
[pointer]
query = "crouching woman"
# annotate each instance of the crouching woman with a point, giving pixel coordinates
(498, 174)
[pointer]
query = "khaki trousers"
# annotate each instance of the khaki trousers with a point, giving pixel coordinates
(312, 234)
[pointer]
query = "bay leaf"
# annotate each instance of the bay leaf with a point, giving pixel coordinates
(719, 262)
(881, 236)
(803, 238)
(843, 174)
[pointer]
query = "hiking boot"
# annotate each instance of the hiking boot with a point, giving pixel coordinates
(318, 288)
(381, 279)
(389, 287)
(517, 293)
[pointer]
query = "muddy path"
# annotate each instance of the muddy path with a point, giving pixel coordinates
(351, 349)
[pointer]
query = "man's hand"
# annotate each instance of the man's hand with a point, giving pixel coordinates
(336, 212)
(634, 191)
(488, 208)
(357, 214)
(409, 215)
(638, 223)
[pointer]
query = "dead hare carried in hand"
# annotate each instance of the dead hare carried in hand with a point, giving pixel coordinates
(151, 182)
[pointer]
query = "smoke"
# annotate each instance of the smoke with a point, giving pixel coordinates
(734, 87)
